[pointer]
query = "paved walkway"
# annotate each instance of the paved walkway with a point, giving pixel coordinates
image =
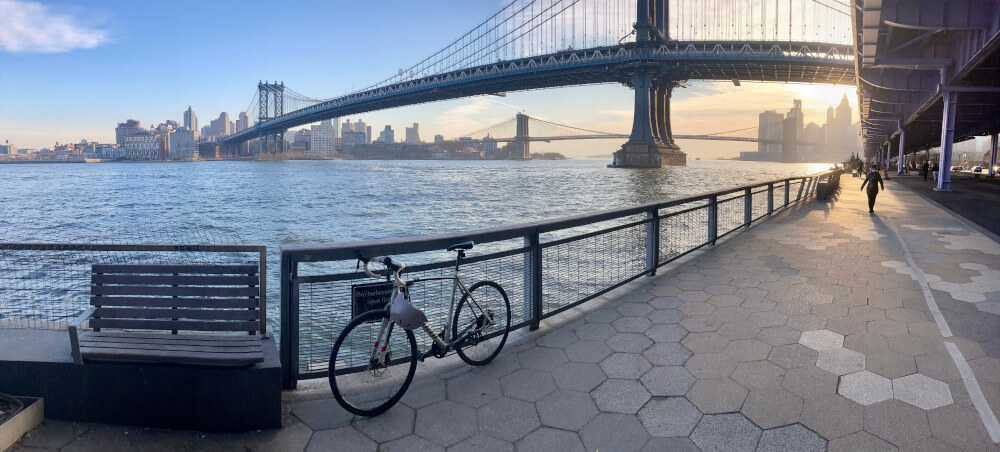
(971, 197)
(821, 328)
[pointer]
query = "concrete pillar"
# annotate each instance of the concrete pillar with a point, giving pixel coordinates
(993, 153)
(950, 99)
(641, 126)
(888, 154)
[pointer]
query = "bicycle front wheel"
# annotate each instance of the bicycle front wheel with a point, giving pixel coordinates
(364, 383)
(484, 311)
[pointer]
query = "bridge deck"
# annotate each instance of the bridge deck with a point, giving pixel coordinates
(807, 331)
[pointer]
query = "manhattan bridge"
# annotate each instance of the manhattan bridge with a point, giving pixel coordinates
(908, 59)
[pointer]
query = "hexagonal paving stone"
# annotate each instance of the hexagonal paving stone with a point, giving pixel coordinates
(959, 426)
(792, 356)
(629, 342)
(542, 358)
(739, 330)
(473, 389)
(866, 342)
(345, 437)
(768, 319)
(558, 338)
(393, 424)
(666, 333)
(806, 322)
(865, 387)
(913, 345)
(760, 305)
(605, 315)
(579, 376)
(921, 391)
(663, 381)
(568, 410)
(673, 416)
(446, 422)
(887, 328)
(700, 324)
(667, 354)
(779, 335)
(890, 364)
(726, 432)
(938, 366)
(705, 342)
(508, 419)
(325, 414)
(634, 309)
(747, 350)
(528, 385)
(810, 382)
(710, 365)
(682, 444)
(632, 324)
(595, 331)
(696, 308)
(846, 326)
(832, 416)
(667, 302)
(841, 361)
(616, 432)
(587, 351)
(625, 365)
(620, 396)
(717, 395)
(666, 316)
(861, 441)
(723, 301)
(772, 407)
(896, 422)
(795, 437)
(820, 340)
(758, 374)
(732, 314)
(549, 439)
(416, 443)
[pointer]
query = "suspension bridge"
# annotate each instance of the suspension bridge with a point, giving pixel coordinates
(651, 46)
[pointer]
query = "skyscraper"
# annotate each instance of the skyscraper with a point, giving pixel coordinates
(243, 123)
(413, 134)
(322, 137)
(190, 119)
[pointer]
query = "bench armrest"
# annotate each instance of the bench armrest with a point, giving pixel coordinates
(74, 337)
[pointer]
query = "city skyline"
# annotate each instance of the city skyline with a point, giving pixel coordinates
(134, 82)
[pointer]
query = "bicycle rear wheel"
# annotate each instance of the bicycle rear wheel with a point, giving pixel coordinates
(484, 300)
(366, 386)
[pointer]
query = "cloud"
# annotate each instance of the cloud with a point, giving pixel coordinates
(30, 27)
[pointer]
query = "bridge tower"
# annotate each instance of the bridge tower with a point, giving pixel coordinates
(519, 148)
(273, 142)
(651, 143)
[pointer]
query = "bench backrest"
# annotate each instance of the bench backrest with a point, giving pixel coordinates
(176, 297)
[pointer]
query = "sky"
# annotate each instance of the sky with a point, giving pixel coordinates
(73, 70)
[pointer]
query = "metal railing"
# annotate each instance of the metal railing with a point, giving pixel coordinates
(45, 285)
(545, 267)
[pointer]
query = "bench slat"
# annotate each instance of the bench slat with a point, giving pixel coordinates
(174, 357)
(176, 291)
(154, 302)
(169, 325)
(171, 340)
(195, 314)
(222, 339)
(169, 347)
(171, 269)
(172, 280)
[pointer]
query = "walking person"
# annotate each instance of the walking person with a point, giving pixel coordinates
(925, 168)
(935, 170)
(873, 180)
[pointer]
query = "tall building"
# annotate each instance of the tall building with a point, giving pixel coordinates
(321, 137)
(190, 119)
(183, 144)
(387, 135)
(243, 123)
(346, 127)
(222, 126)
(127, 129)
(143, 146)
(769, 128)
(413, 134)
(352, 139)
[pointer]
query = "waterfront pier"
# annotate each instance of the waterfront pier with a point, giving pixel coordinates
(822, 327)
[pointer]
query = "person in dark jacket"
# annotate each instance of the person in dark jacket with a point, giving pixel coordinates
(873, 180)
(925, 168)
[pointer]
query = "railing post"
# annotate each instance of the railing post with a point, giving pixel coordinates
(787, 187)
(747, 207)
(289, 324)
(713, 219)
(652, 241)
(770, 198)
(802, 186)
(262, 285)
(533, 278)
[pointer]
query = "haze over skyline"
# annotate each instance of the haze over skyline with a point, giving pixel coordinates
(71, 72)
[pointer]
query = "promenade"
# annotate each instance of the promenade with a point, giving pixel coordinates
(820, 328)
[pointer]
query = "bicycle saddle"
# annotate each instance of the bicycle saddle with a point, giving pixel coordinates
(467, 245)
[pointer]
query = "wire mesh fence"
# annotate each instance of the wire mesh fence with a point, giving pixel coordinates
(544, 268)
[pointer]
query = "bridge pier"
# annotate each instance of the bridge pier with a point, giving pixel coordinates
(651, 143)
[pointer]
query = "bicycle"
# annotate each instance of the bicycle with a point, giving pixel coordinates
(371, 368)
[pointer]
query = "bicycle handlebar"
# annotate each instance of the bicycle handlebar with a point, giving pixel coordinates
(394, 268)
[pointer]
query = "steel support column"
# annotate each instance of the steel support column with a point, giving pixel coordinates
(950, 99)
(902, 149)
(993, 154)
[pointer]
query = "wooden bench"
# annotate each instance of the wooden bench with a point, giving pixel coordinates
(147, 306)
